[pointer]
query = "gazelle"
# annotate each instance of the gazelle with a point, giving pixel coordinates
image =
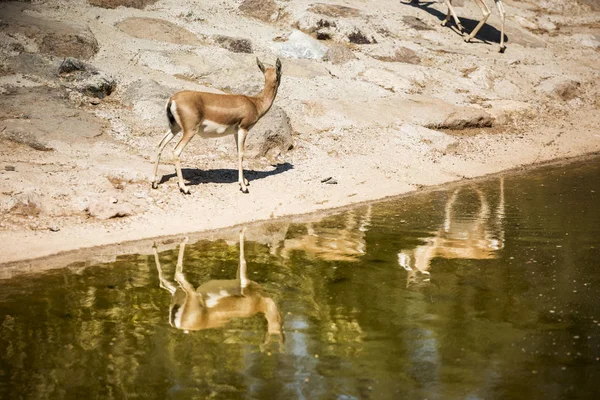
(476, 238)
(214, 115)
(216, 302)
(486, 14)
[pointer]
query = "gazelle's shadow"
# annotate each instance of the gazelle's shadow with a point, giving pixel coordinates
(487, 33)
(196, 176)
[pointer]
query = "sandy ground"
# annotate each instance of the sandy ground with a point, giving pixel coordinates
(415, 107)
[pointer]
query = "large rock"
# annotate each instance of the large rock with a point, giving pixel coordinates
(157, 29)
(122, 3)
(234, 44)
(51, 37)
(264, 10)
(148, 98)
(564, 88)
(271, 136)
(86, 79)
(300, 45)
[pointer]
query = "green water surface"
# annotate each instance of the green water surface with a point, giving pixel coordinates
(488, 291)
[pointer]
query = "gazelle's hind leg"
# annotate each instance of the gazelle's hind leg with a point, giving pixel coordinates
(486, 14)
(452, 13)
(187, 136)
(502, 13)
(165, 140)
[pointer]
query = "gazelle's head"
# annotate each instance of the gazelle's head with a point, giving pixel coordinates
(272, 74)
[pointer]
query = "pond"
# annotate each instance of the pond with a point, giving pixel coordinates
(488, 290)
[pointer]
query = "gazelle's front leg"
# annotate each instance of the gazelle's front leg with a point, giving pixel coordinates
(241, 140)
(237, 147)
(486, 14)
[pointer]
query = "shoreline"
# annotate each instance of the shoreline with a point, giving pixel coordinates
(97, 252)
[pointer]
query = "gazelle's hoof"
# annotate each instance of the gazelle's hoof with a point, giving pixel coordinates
(467, 40)
(154, 185)
(185, 190)
(244, 190)
(502, 49)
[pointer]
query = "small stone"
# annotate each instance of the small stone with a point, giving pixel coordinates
(54, 228)
(113, 200)
(95, 101)
(9, 168)
(141, 195)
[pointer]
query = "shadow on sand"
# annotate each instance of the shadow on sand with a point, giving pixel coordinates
(195, 176)
(487, 34)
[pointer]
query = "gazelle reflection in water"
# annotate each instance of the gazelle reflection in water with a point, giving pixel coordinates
(216, 302)
(477, 238)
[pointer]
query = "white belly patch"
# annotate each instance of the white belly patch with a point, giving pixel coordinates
(209, 128)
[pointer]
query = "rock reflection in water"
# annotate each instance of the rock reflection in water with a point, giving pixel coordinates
(336, 243)
(216, 302)
(478, 237)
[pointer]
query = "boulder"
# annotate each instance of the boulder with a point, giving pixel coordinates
(339, 54)
(272, 135)
(264, 10)
(148, 99)
(234, 44)
(300, 45)
(564, 88)
(86, 79)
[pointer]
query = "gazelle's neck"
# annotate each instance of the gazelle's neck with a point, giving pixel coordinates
(265, 98)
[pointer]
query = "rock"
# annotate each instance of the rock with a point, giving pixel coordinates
(272, 134)
(416, 23)
(339, 54)
(525, 23)
(28, 204)
(234, 44)
(157, 29)
(122, 3)
(107, 210)
(148, 99)
(264, 10)
(300, 45)
(564, 88)
(358, 37)
(86, 79)
(545, 24)
(51, 37)
(468, 118)
(9, 168)
(401, 54)
(53, 228)
(334, 10)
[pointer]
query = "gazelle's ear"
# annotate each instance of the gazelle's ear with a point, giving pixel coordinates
(278, 68)
(260, 65)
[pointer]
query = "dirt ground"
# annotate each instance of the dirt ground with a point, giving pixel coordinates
(387, 102)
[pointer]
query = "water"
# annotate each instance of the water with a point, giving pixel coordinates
(489, 291)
